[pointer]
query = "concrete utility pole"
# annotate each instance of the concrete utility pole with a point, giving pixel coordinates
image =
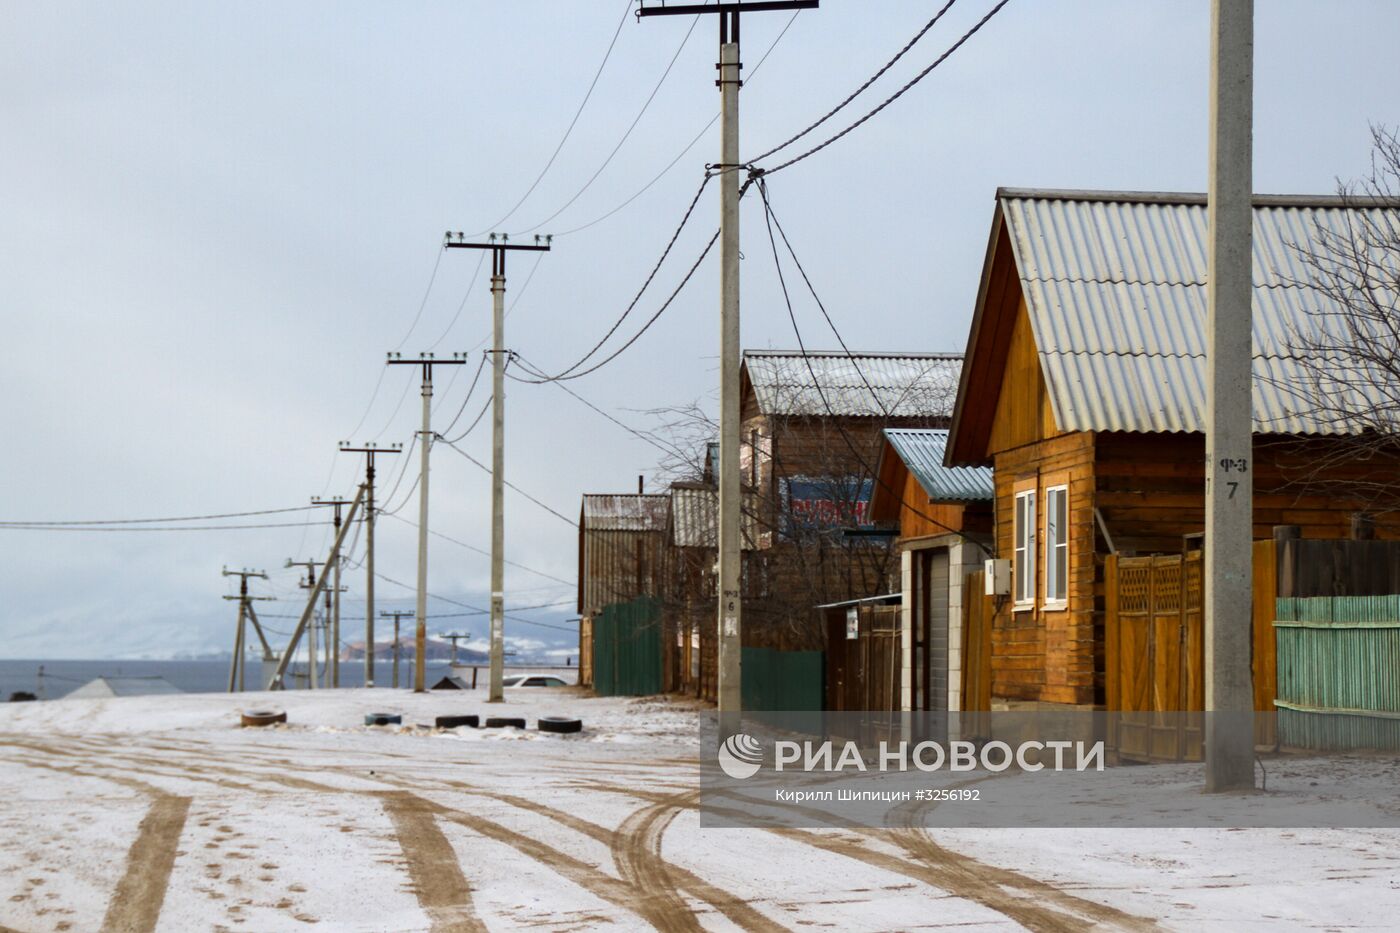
(310, 584)
(498, 249)
(336, 588)
(396, 615)
(245, 612)
(730, 609)
(369, 450)
(453, 637)
(1229, 402)
(275, 682)
(425, 441)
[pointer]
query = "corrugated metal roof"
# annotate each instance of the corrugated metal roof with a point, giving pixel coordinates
(922, 452)
(620, 512)
(694, 517)
(1115, 288)
(900, 384)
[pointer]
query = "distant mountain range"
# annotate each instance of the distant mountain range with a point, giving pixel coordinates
(437, 650)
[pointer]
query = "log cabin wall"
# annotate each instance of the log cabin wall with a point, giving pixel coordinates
(1046, 653)
(1151, 488)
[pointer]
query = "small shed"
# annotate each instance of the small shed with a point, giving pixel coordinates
(944, 516)
(107, 687)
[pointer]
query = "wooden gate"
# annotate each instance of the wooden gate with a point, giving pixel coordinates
(1155, 655)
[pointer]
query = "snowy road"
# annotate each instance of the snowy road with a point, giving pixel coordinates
(160, 814)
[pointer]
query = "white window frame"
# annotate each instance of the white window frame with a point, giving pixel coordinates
(1023, 565)
(1056, 539)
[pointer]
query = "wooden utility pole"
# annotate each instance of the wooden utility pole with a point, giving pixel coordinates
(369, 450)
(425, 441)
(236, 670)
(499, 245)
(1229, 393)
(334, 636)
(730, 608)
(396, 615)
(275, 682)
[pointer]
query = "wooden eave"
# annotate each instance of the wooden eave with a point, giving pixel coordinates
(994, 317)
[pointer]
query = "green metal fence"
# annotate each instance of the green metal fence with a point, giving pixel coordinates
(782, 680)
(627, 649)
(1339, 671)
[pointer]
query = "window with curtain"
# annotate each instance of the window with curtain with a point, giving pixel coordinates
(1023, 564)
(1056, 546)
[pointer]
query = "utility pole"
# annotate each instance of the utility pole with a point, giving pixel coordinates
(1229, 566)
(336, 588)
(310, 584)
(498, 247)
(453, 637)
(730, 608)
(396, 615)
(245, 608)
(425, 441)
(275, 682)
(369, 450)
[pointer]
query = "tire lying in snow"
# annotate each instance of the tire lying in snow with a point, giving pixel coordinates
(504, 722)
(453, 722)
(560, 724)
(383, 719)
(263, 717)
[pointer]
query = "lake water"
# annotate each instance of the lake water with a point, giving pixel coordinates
(63, 677)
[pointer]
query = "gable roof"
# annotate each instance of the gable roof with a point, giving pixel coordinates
(695, 516)
(1114, 286)
(922, 453)
(852, 385)
(624, 512)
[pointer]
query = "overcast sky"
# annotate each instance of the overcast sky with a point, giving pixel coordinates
(215, 219)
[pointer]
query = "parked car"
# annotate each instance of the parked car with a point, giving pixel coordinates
(533, 680)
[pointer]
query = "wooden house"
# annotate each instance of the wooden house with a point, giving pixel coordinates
(1084, 388)
(811, 436)
(944, 517)
(622, 556)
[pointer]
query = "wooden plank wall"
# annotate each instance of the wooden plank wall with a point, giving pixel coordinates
(1150, 488)
(1050, 655)
(977, 616)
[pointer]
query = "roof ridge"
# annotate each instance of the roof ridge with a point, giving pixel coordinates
(1188, 198)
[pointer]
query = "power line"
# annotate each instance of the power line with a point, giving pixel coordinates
(897, 94)
(635, 120)
(771, 220)
(478, 609)
(18, 527)
(860, 90)
(470, 389)
(626, 7)
(178, 518)
(486, 469)
(670, 244)
(424, 303)
(486, 553)
(659, 445)
(688, 146)
(467, 295)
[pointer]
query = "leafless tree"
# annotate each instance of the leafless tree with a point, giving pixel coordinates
(1343, 375)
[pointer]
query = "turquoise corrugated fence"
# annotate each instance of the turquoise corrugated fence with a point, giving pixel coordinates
(1339, 671)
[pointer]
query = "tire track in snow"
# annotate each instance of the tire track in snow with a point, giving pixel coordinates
(732, 906)
(438, 883)
(945, 870)
(136, 902)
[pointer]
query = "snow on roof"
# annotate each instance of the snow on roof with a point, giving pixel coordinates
(856, 384)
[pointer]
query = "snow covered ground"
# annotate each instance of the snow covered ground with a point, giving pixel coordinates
(160, 813)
